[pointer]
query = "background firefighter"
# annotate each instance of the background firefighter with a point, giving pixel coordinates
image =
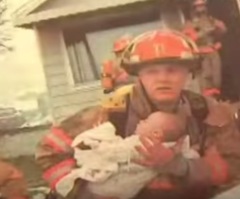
(207, 31)
(12, 182)
(162, 61)
(113, 75)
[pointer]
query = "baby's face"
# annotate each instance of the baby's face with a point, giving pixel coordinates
(170, 126)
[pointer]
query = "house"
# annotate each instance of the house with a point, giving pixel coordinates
(76, 36)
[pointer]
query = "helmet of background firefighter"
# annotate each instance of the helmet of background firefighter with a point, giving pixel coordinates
(110, 68)
(160, 46)
(121, 43)
(199, 2)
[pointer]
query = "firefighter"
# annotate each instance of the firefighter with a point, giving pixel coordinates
(207, 32)
(12, 182)
(161, 61)
(113, 75)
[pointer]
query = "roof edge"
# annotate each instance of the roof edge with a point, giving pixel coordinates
(29, 20)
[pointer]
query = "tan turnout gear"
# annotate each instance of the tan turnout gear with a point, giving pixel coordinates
(129, 107)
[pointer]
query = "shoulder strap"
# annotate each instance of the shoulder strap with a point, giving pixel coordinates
(117, 101)
(200, 111)
(119, 118)
(117, 106)
(198, 105)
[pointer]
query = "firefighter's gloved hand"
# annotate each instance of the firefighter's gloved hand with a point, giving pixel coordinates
(212, 92)
(192, 33)
(154, 153)
(220, 27)
(218, 166)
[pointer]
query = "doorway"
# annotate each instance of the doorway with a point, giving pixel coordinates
(228, 12)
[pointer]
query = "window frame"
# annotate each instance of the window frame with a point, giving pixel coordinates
(130, 19)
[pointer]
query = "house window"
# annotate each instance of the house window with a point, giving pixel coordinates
(87, 50)
(82, 61)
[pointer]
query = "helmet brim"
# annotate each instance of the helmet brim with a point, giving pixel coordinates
(134, 68)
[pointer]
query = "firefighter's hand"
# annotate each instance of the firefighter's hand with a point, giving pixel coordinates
(220, 27)
(153, 152)
(217, 165)
(190, 32)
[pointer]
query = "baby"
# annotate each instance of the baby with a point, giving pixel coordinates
(170, 127)
(107, 164)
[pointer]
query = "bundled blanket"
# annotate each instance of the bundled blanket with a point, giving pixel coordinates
(106, 163)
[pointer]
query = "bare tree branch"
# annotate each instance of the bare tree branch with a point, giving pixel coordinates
(5, 46)
(5, 26)
(4, 21)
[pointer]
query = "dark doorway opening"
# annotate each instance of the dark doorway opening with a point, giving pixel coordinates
(228, 12)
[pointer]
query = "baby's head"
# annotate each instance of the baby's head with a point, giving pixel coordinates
(170, 126)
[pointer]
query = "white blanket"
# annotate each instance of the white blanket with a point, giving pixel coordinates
(107, 164)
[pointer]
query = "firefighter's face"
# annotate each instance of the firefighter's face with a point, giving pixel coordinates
(202, 8)
(118, 57)
(164, 82)
(118, 54)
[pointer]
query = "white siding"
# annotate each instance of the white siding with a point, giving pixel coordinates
(58, 90)
(63, 111)
(75, 97)
(65, 99)
(56, 80)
